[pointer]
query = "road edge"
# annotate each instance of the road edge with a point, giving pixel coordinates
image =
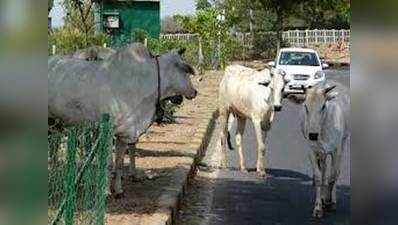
(169, 201)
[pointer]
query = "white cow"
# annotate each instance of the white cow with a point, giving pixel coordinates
(247, 93)
(325, 125)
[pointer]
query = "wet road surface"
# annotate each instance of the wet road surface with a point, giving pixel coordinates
(230, 197)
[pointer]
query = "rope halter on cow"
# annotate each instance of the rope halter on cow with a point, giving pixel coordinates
(159, 111)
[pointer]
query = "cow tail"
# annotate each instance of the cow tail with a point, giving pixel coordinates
(229, 141)
(229, 126)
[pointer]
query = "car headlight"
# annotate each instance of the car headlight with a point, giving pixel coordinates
(319, 75)
(281, 72)
(287, 78)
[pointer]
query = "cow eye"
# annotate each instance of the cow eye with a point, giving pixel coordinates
(323, 107)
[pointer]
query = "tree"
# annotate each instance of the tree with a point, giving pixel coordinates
(325, 13)
(79, 15)
(202, 4)
(78, 31)
(171, 26)
(282, 9)
(209, 29)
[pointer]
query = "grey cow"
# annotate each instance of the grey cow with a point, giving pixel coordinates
(126, 85)
(325, 125)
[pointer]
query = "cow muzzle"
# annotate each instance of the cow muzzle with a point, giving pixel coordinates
(177, 99)
(277, 108)
(313, 136)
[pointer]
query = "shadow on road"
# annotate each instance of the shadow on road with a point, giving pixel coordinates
(286, 197)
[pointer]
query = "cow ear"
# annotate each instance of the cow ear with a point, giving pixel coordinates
(328, 89)
(331, 96)
(181, 51)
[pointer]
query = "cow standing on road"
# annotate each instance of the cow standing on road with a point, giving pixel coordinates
(247, 93)
(325, 126)
(128, 85)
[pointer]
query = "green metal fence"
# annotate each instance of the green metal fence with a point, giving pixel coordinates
(77, 173)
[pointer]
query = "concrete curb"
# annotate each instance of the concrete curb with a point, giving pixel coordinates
(169, 201)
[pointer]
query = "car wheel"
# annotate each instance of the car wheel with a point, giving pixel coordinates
(284, 95)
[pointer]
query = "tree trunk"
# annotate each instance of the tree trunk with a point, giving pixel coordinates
(200, 56)
(251, 19)
(279, 29)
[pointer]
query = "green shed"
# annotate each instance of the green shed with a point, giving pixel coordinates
(121, 19)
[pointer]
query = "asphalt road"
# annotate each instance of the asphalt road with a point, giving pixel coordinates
(229, 197)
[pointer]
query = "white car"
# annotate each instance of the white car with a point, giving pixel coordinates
(300, 67)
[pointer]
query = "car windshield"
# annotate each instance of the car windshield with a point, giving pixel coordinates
(299, 59)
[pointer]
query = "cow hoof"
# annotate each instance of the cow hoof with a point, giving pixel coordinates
(317, 213)
(261, 174)
(223, 164)
(243, 170)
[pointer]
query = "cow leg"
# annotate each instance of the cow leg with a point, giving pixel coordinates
(335, 173)
(131, 150)
(318, 210)
(271, 118)
(223, 118)
(324, 189)
(260, 168)
(239, 133)
(121, 148)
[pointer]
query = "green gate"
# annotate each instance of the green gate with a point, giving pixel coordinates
(78, 174)
(121, 18)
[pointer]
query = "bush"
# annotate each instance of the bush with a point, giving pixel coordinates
(68, 40)
(236, 50)
(160, 46)
(233, 49)
(139, 35)
(265, 45)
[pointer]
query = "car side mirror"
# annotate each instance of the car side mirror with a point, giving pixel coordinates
(271, 64)
(325, 65)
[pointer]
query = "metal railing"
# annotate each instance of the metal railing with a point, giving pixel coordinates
(294, 37)
(304, 37)
(185, 37)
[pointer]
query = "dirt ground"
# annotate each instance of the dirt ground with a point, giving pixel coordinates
(161, 153)
(335, 52)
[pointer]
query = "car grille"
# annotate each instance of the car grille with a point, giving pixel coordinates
(301, 77)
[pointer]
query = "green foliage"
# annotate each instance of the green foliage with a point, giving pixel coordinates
(139, 35)
(265, 45)
(325, 14)
(272, 15)
(68, 40)
(234, 49)
(171, 26)
(78, 31)
(211, 30)
(160, 46)
(169, 109)
(202, 4)
(79, 15)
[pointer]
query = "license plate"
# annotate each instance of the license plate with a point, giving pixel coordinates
(297, 86)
